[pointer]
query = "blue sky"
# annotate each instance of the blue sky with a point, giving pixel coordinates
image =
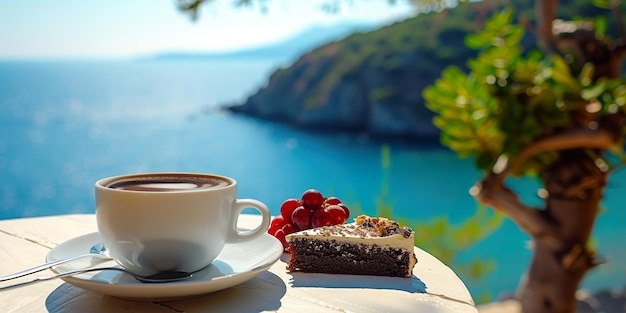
(123, 28)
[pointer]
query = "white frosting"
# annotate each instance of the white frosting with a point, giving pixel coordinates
(349, 233)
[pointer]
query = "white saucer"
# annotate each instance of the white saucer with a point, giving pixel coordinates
(236, 264)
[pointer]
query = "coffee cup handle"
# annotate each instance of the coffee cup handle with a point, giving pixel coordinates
(245, 235)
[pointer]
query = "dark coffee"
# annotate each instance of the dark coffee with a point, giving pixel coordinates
(168, 183)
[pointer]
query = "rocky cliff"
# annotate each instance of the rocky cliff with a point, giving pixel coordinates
(372, 82)
(368, 82)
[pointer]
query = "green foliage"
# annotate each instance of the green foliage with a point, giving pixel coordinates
(606, 4)
(384, 50)
(445, 240)
(510, 100)
(439, 236)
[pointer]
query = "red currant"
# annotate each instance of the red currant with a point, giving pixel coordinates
(301, 218)
(321, 218)
(332, 200)
(345, 208)
(288, 229)
(311, 211)
(280, 235)
(286, 209)
(312, 199)
(337, 214)
(276, 224)
(317, 208)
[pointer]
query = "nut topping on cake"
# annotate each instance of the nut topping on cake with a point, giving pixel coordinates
(384, 226)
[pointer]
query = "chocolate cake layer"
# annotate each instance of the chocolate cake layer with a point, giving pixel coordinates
(330, 256)
(369, 246)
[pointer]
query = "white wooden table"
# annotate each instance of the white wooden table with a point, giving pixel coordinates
(26, 242)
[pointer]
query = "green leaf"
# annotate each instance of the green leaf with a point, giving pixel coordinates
(477, 41)
(594, 91)
(514, 36)
(561, 74)
(600, 24)
(501, 20)
(464, 148)
(604, 4)
(586, 74)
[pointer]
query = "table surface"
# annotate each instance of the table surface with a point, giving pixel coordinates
(25, 243)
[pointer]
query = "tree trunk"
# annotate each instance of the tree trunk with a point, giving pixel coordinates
(575, 185)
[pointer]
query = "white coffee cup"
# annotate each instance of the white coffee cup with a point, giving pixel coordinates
(159, 222)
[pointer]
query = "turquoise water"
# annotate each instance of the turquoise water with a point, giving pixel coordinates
(66, 124)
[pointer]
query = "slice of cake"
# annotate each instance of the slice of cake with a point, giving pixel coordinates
(369, 246)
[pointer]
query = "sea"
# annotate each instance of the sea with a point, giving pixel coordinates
(64, 124)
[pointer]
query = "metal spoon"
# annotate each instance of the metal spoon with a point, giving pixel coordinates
(165, 277)
(96, 251)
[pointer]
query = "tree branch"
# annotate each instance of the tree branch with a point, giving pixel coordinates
(583, 138)
(546, 13)
(491, 190)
